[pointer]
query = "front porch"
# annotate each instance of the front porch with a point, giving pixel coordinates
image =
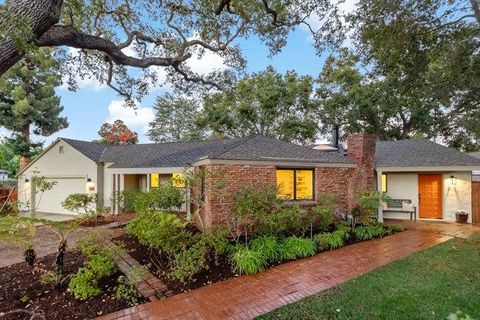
(141, 180)
(432, 194)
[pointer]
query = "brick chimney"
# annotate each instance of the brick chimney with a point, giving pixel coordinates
(361, 149)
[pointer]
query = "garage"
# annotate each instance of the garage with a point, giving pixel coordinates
(51, 201)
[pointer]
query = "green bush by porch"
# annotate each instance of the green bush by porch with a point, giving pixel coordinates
(428, 285)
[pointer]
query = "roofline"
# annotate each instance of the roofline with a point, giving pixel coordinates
(428, 168)
(47, 149)
(286, 163)
(38, 157)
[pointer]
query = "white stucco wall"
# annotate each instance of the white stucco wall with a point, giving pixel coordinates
(70, 169)
(459, 196)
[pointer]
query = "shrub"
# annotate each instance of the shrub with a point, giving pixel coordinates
(331, 240)
(100, 264)
(369, 232)
(369, 202)
(294, 247)
(324, 212)
(286, 221)
(201, 248)
(343, 225)
(164, 197)
(247, 261)
(258, 201)
(393, 228)
(81, 203)
(164, 231)
(8, 208)
(267, 246)
(126, 290)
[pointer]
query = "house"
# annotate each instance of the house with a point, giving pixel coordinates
(300, 173)
(4, 174)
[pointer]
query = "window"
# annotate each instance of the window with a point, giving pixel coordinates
(154, 180)
(178, 180)
(295, 184)
(384, 183)
(60, 149)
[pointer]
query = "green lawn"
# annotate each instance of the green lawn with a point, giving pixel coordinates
(428, 285)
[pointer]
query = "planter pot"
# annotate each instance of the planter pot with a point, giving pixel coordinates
(461, 218)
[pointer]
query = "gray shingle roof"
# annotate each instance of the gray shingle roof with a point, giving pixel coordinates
(260, 148)
(178, 154)
(420, 153)
(170, 154)
(91, 150)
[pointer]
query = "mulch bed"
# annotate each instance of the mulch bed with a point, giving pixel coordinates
(103, 220)
(160, 268)
(20, 288)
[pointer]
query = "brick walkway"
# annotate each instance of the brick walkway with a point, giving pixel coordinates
(452, 229)
(249, 296)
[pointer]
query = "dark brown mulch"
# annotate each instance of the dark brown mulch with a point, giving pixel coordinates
(20, 288)
(160, 268)
(103, 220)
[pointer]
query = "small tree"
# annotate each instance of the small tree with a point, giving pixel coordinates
(198, 183)
(82, 203)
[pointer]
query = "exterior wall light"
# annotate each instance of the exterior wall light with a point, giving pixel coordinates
(27, 181)
(90, 186)
(453, 180)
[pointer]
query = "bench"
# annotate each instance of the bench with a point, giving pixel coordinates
(401, 205)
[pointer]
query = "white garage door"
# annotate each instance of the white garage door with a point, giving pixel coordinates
(51, 201)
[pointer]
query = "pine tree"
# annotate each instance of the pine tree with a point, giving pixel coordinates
(30, 102)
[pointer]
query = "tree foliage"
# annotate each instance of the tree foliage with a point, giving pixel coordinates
(117, 133)
(30, 85)
(414, 72)
(175, 119)
(166, 35)
(265, 103)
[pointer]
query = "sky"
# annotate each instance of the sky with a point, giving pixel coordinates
(93, 104)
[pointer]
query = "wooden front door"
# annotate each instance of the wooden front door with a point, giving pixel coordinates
(430, 196)
(476, 201)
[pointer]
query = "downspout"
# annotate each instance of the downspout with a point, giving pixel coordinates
(100, 185)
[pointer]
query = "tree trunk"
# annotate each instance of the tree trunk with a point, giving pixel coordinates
(476, 9)
(62, 247)
(39, 15)
(24, 160)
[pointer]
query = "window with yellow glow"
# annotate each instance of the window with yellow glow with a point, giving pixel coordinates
(295, 184)
(178, 181)
(154, 180)
(384, 183)
(285, 185)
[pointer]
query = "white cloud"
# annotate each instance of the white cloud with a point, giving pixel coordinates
(136, 119)
(208, 62)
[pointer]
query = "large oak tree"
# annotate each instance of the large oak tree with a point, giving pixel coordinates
(414, 71)
(112, 35)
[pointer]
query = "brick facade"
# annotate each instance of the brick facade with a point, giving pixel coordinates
(224, 181)
(361, 149)
(222, 184)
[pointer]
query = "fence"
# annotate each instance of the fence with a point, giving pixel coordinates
(8, 194)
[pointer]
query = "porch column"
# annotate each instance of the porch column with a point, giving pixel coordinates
(148, 182)
(379, 188)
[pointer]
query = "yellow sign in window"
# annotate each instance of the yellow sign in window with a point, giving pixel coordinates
(285, 184)
(154, 180)
(178, 180)
(384, 183)
(304, 185)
